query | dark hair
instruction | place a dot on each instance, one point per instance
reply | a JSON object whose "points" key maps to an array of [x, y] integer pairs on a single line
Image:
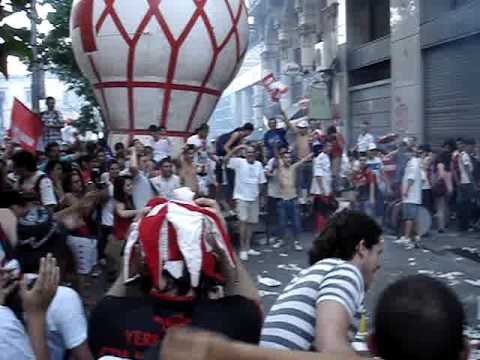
{"points": [[49, 98], [51, 165], [204, 126], [153, 128], [68, 180], [164, 161], [419, 318], [51, 145], [118, 193], [248, 127], [113, 161], [343, 233], [119, 146], [25, 160], [331, 130], [9, 198]]}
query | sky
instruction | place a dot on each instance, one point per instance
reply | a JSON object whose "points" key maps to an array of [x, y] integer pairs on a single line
{"points": [[19, 20]]}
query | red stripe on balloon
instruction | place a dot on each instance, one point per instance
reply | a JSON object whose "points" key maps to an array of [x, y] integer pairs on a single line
{"points": [[174, 58], [157, 85], [102, 91], [83, 19]]}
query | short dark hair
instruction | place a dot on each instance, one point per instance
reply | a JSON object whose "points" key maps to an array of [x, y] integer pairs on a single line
{"points": [[119, 146], [50, 146], [331, 130], [248, 127], [25, 160], [153, 128], [49, 98], [343, 233], [164, 161], [51, 165], [113, 161], [419, 318]]}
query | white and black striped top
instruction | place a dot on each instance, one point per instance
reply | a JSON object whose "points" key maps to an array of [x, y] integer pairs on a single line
{"points": [[290, 323]]}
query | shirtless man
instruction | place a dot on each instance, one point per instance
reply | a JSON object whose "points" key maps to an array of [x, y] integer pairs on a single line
{"points": [[188, 170]]}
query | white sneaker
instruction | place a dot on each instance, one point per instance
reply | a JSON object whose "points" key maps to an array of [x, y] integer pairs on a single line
{"points": [[243, 256], [252, 252], [278, 244], [297, 246]]}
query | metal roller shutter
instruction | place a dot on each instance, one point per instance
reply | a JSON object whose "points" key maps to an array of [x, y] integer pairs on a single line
{"points": [[371, 102], [452, 90]]}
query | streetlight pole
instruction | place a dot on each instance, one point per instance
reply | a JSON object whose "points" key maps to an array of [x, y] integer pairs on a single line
{"points": [[35, 86]]}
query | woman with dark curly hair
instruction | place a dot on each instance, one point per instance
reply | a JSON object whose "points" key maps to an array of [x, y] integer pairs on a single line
{"points": [[320, 308]]}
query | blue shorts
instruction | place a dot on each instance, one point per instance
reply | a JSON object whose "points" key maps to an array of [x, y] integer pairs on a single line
{"points": [[409, 211]]}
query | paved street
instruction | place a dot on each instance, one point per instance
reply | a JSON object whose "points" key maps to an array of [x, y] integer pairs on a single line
{"points": [[452, 257]]}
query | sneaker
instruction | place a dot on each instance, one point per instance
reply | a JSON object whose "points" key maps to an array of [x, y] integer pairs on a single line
{"points": [[243, 256], [278, 244], [297, 246], [262, 241], [252, 252]]}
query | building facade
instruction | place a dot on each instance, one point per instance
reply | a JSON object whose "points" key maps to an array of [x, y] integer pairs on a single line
{"points": [[412, 67], [301, 43]]}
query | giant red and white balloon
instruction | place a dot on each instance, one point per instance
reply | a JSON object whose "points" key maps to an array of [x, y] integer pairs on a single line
{"points": [[162, 62]]}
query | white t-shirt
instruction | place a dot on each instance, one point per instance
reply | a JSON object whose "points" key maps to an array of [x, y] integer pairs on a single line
{"points": [[108, 207], [273, 187], [142, 191], [166, 186], [45, 188], [364, 141], [322, 168], [413, 172], [201, 156], [376, 165], [161, 149], [66, 323], [14, 341], [248, 177], [465, 162]]}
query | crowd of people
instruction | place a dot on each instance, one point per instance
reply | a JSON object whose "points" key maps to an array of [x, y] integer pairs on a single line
{"points": [[160, 218]]}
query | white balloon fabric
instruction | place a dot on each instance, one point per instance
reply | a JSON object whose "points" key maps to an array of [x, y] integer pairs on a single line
{"points": [[161, 62]]}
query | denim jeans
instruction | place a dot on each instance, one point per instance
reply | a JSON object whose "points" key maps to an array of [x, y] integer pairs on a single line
{"points": [[465, 198], [287, 211]]}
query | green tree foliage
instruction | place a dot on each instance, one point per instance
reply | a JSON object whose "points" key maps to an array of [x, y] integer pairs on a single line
{"points": [[59, 53], [13, 41]]}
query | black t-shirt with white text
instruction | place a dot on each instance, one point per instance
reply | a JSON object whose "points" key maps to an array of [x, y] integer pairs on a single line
{"points": [[128, 327]]}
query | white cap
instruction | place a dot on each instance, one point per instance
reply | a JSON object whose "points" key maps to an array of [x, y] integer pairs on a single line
{"points": [[303, 124], [372, 146]]}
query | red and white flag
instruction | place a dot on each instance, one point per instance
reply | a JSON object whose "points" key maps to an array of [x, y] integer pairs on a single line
{"points": [[275, 88], [26, 127]]}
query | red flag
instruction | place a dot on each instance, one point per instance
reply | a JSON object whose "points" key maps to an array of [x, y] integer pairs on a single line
{"points": [[26, 126]]}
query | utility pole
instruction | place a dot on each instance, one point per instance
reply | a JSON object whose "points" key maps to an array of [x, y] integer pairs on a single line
{"points": [[36, 85]]}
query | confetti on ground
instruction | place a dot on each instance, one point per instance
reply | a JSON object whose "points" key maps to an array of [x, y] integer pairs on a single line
{"points": [[426, 272], [283, 254], [266, 281], [412, 263], [290, 267], [264, 293], [264, 272], [473, 282], [470, 249]]}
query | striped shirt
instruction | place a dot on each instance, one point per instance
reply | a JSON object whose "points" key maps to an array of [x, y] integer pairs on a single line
{"points": [[291, 321]]}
